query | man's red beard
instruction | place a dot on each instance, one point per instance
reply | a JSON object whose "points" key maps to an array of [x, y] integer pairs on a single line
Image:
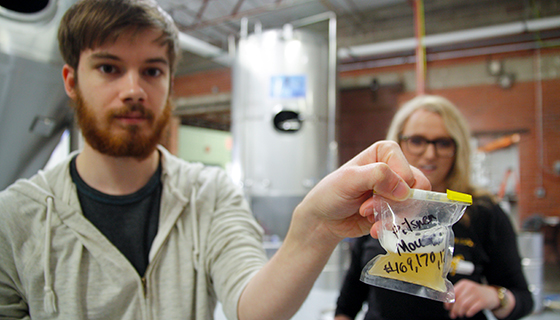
{"points": [[130, 141]]}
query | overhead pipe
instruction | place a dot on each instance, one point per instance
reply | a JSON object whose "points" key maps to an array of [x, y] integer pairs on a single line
{"points": [[212, 52], [450, 38], [204, 49], [456, 54]]}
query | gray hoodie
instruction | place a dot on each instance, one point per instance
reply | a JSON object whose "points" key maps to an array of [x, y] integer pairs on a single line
{"points": [[54, 264]]}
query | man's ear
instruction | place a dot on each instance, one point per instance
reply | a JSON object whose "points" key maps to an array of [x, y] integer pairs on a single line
{"points": [[69, 77]]}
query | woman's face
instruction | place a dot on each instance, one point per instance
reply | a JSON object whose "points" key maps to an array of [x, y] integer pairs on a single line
{"points": [[428, 146]]}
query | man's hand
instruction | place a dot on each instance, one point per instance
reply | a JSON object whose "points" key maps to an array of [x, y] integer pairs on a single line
{"points": [[339, 206], [343, 200]]}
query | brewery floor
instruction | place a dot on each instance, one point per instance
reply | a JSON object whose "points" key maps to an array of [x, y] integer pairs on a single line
{"points": [[550, 306], [544, 315], [551, 293], [551, 283], [321, 302]]}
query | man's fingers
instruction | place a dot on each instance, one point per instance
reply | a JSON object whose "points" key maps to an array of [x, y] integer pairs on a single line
{"points": [[388, 152], [374, 231], [383, 181], [420, 180]]}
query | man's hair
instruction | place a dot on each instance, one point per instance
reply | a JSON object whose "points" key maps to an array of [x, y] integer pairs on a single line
{"points": [[91, 23]]}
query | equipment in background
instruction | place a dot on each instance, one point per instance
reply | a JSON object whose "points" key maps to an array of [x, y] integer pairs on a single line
{"points": [[282, 120], [34, 111]]}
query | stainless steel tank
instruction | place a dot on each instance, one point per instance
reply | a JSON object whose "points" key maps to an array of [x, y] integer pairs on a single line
{"points": [[282, 120]]}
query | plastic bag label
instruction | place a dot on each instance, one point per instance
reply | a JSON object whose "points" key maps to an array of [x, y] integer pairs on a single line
{"points": [[418, 238], [414, 256], [423, 269]]}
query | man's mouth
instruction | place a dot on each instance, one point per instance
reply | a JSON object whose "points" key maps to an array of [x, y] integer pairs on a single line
{"points": [[132, 114], [131, 118]]}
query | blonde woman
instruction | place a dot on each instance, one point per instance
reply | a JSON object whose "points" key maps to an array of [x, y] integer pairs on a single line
{"points": [[435, 138]]}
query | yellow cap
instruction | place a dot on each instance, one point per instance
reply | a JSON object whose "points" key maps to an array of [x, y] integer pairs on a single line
{"points": [[458, 196]]}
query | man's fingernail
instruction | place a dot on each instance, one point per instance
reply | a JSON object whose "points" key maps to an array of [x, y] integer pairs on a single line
{"points": [[401, 191]]}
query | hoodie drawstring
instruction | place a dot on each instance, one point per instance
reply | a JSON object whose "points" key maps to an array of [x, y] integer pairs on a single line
{"points": [[194, 228], [49, 303]]}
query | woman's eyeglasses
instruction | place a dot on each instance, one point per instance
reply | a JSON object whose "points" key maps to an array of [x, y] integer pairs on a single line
{"points": [[417, 145]]}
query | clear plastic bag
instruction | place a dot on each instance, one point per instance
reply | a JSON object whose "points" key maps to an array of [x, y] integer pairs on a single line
{"points": [[417, 235]]}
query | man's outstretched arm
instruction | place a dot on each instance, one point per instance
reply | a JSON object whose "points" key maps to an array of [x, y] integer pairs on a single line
{"points": [[338, 207]]}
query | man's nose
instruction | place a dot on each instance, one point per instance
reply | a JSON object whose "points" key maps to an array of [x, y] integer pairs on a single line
{"points": [[132, 90]]}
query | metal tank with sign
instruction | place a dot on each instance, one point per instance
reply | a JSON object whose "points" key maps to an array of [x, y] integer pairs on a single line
{"points": [[282, 119]]}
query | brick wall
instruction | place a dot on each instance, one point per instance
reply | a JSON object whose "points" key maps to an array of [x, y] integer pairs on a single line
{"points": [[205, 83], [490, 110]]}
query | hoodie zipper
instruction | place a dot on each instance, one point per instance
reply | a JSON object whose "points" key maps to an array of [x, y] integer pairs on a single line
{"points": [[144, 287], [147, 312]]}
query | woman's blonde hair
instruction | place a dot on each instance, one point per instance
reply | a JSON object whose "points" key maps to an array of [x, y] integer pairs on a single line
{"points": [[458, 179]]}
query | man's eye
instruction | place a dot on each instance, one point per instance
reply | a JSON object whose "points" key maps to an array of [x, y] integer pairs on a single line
{"points": [[153, 72], [107, 68]]}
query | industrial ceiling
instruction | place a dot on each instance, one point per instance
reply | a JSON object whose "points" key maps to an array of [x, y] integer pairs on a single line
{"points": [[360, 24], [370, 33]]}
